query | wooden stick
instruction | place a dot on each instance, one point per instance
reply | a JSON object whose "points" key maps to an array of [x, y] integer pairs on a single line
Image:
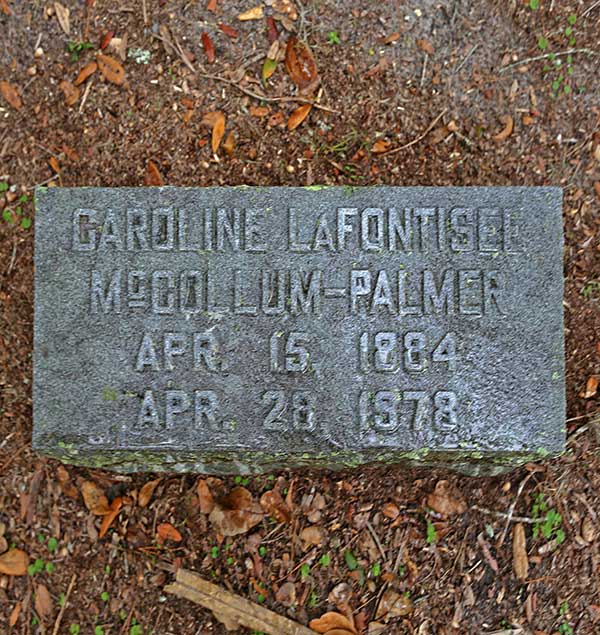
{"points": [[231, 609], [64, 606], [419, 138]]}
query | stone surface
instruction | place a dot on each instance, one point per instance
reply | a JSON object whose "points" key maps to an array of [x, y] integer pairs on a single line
{"points": [[243, 329]]}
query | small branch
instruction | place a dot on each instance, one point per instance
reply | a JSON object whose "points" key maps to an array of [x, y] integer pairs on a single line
{"points": [[468, 55], [547, 56], [420, 138], [516, 519], [377, 541], [511, 509], [64, 606], [596, 4]]}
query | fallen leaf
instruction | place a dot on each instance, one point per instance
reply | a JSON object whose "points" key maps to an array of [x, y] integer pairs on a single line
{"points": [[229, 144], [391, 510], [10, 93], [591, 387], [275, 506], [152, 177], [54, 164], [210, 118], [301, 65], [212, 6], [269, 67], [43, 601], [588, 531], [311, 536], [14, 614], [209, 47], [85, 72], [94, 498], [70, 92], [444, 501], [217, 132], [425, 46], [205, 498], [145, 495], [115, 508], [507, 130], [228, 30], [331, 621], [166, 531], [272, 33], [381, 145], [236, 513], [597, 189], [298, 116], [392, 37], [520, 561], [62, 15], [275, 119], [256, 13], [6, 10], [286, 594], [340, 594], [393, 604], [259, 111], [14, 562], [111, 69], [286, 7], [105, 41], [119, 45]]}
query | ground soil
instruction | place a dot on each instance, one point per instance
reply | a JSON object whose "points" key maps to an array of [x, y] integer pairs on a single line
{"points": [[388, 70]]}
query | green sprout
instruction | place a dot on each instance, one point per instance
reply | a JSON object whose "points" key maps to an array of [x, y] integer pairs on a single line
{"points": [[549, 523], [75, 48], [333, 37], [432, 536]]}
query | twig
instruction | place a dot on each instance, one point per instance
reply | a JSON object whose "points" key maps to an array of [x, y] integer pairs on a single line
{"points": [[85, 95], [511, 509], [377, 541], [64, 605], [420, 138], [250, 93], [548, 55], [468, 55], [516, 519], [145, 12], [590, 9], [424, 70]]}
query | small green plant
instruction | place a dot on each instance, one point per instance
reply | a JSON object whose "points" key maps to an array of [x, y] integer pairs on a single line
{"points": [[565, 628], [550, 521], [136, 629], [49, 567], [262, 551], [561, 72], [98, 630], [75, 48], [534, 4], [52, 544], [351, 561], [376, 570], [214, 552], [35, 567], [333, 37], [105, 596], [304, 571], [432, 536], [325, 560], [590, 288], [74, 629]]}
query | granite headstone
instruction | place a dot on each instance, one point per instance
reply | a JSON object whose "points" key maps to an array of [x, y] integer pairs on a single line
{"points": [[241, 329]]}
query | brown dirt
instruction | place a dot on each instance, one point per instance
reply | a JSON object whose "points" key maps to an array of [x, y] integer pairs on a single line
{"points": [[462, 583]]}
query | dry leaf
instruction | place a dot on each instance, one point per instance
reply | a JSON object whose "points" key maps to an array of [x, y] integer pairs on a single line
{"points": [[298, 116], [591, 387], [152, 177], [393, 604], [217, 132], [6, 10], [507, 130], [229, 144], [444, 501], [520, 561], [71, 92], [210, 118], [10, 93], [146, 492], [332, 621], [115, 508], [212, 6], [425, 46], [205, 498], [391, 510], [209, 47], [275, 119], [392, 37], [236, 513], [286, 594], [301, 65], [310, 536], [105, 41], [166, 531], [54, 164], [14, 614], [275, 506], [588, 532], [381, 145], [43, 601], [119, 45], [597, 189], [85, 72], [111, 69], [272, 33], [94, 498], [268, 68], [256, 13], [62, 14], [64, 478], [228, 30], [14, 562], [259, 111]]}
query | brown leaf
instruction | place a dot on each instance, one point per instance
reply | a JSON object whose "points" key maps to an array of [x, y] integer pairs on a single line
{"points": [[145, 495], [311, 536], [298, 116], [209, 47], [43, 601], [444, 501], [85, 72], [217, 132], [228, 30], [331, 621], [256, 13], [236, 513], [152, 177], [381, 145], [94, 498], [115, 508], [10, 93], [105, 41], [6, 10], [111, 68], [272, 33], [392, 37], [14, 614], [393, 604], [71, 92], [211, 6], [391, 510], [64, 478], [301, 65], [520, 561], [286, 594], [506, 131], [591, 387], [597, 189], [229, 144], [425, 46], [259, 111], [62, 15], [286, 7], [166, 531], [205, 498], [54, 164], [14, 562], [275, 506]]}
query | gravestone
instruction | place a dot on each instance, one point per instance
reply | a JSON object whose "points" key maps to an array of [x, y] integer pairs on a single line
{"points": [[241, 329]]}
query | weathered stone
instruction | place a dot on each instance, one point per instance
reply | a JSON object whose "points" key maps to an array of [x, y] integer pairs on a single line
{"points": [[243, 329]]}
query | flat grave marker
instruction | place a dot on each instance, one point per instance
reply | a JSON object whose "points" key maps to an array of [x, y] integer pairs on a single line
{"points": [[241, 329]]}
